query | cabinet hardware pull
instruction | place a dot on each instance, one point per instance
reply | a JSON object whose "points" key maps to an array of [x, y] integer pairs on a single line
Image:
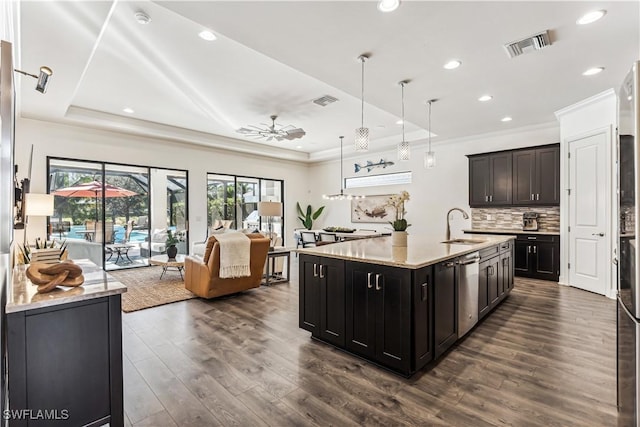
{"points": [[449, 264], [532, 237], [538, 196], [534, 249], [531, 196], [321, 271], [486, 198], [378, 286], [491, 198], [369, 285], [315, 270], [529, 249], [423, 290]]}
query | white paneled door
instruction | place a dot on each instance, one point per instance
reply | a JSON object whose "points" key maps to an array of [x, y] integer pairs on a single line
{"points": [[588, 204]]}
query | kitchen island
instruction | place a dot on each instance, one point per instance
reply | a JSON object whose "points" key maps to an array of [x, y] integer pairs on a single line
{"points": [[401, 307]]}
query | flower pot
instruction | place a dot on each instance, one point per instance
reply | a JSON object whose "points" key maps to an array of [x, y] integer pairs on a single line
{"points": [[399, 238], [172, 251]]}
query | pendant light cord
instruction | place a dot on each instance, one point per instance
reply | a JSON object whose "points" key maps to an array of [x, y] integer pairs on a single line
{"points": [[362, 58], [430, 102], [402, 85], [341, 167]]}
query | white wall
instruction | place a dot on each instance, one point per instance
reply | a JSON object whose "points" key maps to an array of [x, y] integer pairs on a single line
{"points": [[596, 114], [58, 140], [433, 191]]}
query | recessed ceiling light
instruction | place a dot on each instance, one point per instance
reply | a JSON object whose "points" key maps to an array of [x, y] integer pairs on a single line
{"points": [[298, 146], [453, 64], [629, 98], [506, 119], [590, 17], [593, 71], [207, 35], [399, 122], [142, 18], [388, 5], [128, 110], [485, 98]]}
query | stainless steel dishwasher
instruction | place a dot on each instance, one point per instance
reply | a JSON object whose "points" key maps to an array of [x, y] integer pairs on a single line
{"points": [[468, 284]]}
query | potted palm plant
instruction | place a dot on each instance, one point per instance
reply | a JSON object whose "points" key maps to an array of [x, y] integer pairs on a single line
{"points": [[170, 243]]}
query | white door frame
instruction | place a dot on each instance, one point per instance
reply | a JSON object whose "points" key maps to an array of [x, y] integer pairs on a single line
{"points": [[610, 214]]}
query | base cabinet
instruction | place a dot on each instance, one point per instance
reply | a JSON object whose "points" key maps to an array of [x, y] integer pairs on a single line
{"points": [[495, 278], [537, 256], [445, 312]]}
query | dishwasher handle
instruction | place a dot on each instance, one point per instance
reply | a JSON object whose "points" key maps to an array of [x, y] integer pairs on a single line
{"points": [[469, 261]]}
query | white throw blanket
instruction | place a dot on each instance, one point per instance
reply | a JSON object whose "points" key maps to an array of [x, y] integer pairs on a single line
{"points": [[235, 250]]}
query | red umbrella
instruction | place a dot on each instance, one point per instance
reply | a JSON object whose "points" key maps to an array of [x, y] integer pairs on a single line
{"points": [[94, 189]]}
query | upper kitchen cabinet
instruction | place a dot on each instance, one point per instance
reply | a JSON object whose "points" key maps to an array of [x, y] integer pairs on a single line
{"points": [[490, 179], [526, 177], [536, 176]]}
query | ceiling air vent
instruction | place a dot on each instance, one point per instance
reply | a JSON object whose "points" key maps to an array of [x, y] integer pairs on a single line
{"points": [[529, 44], [323, 101]]}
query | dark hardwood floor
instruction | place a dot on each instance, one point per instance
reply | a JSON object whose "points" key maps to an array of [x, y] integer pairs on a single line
{"points": [[544, 357]]}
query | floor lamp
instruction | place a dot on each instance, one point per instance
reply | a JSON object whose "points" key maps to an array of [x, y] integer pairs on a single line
{"points": [[36, 205], [270, 210]]}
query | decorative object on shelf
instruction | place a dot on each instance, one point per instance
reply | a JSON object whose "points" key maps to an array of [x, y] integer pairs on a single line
{"points": [[362, 133], [307, 217], [339, 230], [49, 276], [370, 165], [430, 156], [42, 251], [342, 195], [404, 150], [270, 210], [396, 201], [371, 209], [170, 243], [273, 131]]}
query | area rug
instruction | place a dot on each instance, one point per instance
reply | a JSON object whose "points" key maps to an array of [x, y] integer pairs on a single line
{"points": [[145, 289]]}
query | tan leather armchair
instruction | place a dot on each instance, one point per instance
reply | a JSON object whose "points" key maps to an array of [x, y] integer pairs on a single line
{"points": [[202, 275]]}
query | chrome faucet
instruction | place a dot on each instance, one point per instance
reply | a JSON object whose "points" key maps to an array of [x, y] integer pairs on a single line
{"points": [[464, 215]]}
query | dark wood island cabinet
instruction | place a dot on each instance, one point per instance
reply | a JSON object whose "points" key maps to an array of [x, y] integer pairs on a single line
{"points": [[400, 314]]}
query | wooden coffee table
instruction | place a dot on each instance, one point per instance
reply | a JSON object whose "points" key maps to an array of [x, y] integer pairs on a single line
{"points": [[166, 263]]}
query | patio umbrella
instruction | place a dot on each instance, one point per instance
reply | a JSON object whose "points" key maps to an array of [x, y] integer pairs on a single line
{"points": [[94, 189]]}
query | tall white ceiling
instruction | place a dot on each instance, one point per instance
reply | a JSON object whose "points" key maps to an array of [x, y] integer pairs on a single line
{"points": [[276, 57]]}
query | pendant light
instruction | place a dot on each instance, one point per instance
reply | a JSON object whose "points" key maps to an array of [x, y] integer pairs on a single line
{"points": [[404, 151], [362, 133], [430, 156], [342, 195]]}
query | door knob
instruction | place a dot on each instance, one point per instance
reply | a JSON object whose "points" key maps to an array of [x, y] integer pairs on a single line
{"points": [[598, 234]]}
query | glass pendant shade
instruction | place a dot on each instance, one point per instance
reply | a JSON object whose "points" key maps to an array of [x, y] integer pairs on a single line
{"points": [[362, 139], [429, 160], [404, 151]]}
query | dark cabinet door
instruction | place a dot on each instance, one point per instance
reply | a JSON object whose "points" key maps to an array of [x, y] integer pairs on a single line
{"points": [[546, 263], [506, 273], [422, 297], [524, 168], [547, 191], [522, 262], [493, 280], [479, 181], [360, 309], [332, 295], [445, 318], [500, 178], [392, 288], [309, 293], [484, 304]]}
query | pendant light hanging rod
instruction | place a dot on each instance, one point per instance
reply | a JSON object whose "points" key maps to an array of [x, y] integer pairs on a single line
{"points": [[404, 151], [341, 168], [362, 58], [429, 156]]}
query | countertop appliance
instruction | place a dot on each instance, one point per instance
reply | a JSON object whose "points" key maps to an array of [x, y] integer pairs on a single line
{"points": [[468, 288], [628, 300], [530, 221]]}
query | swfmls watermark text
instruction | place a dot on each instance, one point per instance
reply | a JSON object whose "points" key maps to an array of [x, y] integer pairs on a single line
{"points": [[35, 414]]}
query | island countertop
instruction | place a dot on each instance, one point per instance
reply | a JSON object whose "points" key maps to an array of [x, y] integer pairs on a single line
{"points": [[420, 251], [22, 295]]}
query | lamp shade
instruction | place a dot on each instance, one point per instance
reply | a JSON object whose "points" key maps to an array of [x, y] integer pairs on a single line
{"points": [[38, 204], [270, 209]]}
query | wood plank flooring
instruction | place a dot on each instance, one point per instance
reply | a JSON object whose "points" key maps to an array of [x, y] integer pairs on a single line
{"points": [[544, 357]]}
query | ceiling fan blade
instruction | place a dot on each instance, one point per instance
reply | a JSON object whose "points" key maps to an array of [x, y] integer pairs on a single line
{"points": [[244, 131], [295, 134]]}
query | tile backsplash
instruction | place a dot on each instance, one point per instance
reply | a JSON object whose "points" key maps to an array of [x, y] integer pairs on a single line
{"points": [[511, 218]]}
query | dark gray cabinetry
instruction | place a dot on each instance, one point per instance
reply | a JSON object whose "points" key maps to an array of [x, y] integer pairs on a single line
{"points": [[537, 256], [322, 308], [490, 179], [67, 358], [446, 308], [536, 176], [524, 177]]}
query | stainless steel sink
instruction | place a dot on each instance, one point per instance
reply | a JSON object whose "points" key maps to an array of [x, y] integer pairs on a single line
{"points": [[464, 241]]}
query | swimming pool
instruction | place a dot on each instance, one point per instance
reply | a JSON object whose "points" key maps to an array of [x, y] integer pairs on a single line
{"points": [[77, 232]]}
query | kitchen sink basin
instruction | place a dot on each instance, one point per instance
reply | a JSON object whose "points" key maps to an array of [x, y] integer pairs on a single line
{"points": [[464, 241]]}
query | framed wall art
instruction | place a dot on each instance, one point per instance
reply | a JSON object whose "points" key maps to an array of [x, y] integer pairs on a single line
{"points": [[372, 209]]}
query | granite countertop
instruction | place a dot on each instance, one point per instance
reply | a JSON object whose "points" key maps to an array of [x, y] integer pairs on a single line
{"points": [[23, 296], [510, 231], [420, 252]]}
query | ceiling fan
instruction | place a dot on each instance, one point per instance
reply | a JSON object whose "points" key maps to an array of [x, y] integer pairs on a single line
{"points": [[275, 131]]}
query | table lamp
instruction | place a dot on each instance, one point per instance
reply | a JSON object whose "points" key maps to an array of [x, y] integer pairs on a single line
{"points": [[270, 210], [36, 205]]}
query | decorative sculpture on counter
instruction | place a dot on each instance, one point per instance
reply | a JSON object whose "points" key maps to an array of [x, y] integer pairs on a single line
{"points": [[48, 276]]}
